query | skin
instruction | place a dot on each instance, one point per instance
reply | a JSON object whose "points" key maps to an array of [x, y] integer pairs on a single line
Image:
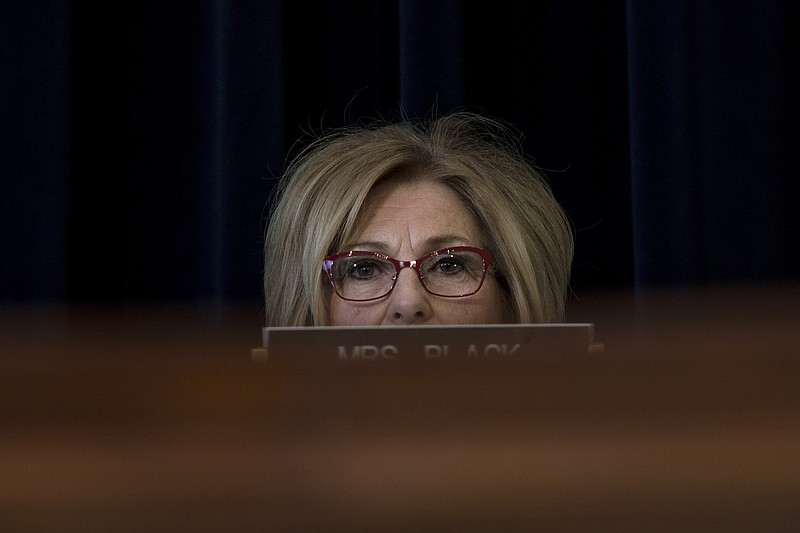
{"points": [[406, 222]]}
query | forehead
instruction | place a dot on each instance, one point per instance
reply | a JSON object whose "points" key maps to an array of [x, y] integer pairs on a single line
{"points": [[395, 211]]}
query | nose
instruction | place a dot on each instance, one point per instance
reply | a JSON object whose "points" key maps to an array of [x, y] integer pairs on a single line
{"points": [[409, 302]]}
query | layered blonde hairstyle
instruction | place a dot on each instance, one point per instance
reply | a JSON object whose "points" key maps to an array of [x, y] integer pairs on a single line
{"points": [[317, 202]]}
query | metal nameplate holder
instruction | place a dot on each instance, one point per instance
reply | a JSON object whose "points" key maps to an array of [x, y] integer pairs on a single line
{"points": [[372, 344]]}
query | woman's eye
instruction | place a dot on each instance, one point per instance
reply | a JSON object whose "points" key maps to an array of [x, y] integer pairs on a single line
{"points": [[361, 270], [364, 269], [450, 265]]}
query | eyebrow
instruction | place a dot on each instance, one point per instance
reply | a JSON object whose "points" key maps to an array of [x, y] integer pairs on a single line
{"points": [[433, 243]]}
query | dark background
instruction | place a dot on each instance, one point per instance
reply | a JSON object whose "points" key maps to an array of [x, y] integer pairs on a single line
{"points": [[139, 141]]}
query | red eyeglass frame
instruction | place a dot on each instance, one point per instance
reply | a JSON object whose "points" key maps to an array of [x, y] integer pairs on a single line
{"points": [[486, 257]]}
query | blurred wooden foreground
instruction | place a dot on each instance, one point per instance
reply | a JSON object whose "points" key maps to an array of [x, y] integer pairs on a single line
{"points": [[155, 419]]}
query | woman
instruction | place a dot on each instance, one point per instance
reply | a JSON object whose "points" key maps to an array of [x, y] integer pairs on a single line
{"points": [[435, 222]]}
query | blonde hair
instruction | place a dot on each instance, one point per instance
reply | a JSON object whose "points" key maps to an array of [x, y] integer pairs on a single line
{"points": [[318, 200]]}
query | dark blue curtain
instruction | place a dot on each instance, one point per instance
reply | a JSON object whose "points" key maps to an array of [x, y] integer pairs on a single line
{"points": [[140, 140], [714, 140]]}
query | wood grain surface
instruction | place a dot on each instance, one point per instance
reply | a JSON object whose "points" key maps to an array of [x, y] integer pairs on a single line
{"points": [[155, 418]]}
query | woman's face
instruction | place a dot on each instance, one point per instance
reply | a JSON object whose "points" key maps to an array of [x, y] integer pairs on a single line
{"points": [[407, 221]]}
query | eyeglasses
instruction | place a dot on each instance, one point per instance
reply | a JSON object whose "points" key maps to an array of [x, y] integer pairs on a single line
{"points": [[450, 272]]}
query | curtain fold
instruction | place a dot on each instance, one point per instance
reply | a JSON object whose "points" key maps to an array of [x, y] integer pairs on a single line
{"points": [[431, 56], [664, 149]]}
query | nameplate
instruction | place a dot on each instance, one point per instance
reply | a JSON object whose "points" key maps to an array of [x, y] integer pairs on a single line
{"points": [[386, 344]]}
